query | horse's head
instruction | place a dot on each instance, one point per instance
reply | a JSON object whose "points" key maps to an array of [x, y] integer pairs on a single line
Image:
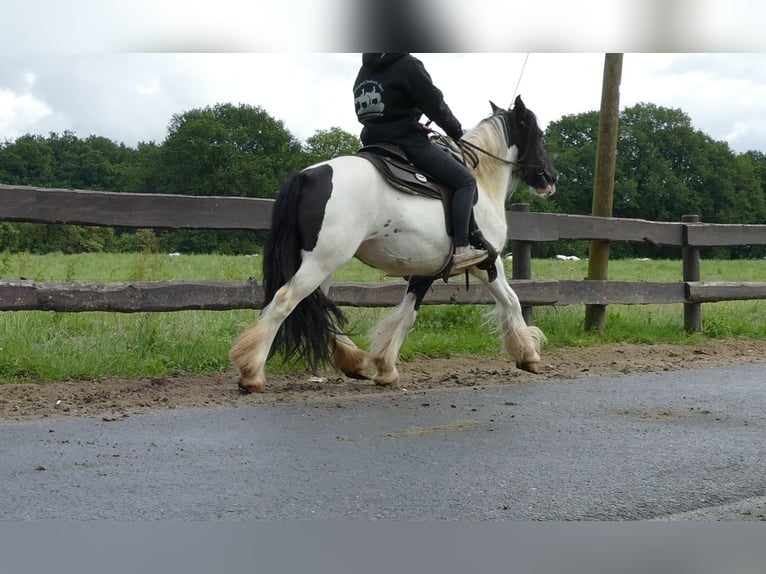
{"points": [[532, 162]]}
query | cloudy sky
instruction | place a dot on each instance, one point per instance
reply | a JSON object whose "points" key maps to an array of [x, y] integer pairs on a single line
{"points": [[121, 69]]}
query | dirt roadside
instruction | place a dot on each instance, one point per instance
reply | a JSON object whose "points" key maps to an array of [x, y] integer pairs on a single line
{"points": [[113, 399]]}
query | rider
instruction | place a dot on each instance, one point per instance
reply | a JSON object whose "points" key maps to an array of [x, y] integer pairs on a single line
{"points": [[391, 92]]}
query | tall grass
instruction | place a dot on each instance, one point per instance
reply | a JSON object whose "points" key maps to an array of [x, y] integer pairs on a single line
{"points": [[41, 346]]}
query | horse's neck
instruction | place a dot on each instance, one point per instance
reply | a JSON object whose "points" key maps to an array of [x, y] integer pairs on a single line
{"points": [[493, 175]]}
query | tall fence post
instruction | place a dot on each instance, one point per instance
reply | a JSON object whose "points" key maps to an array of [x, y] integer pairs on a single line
{"points": [[521, 266], [603, 181], [691, 263]]}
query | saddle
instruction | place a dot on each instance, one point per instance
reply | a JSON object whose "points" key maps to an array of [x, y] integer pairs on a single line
{"points": [[394, 165]]}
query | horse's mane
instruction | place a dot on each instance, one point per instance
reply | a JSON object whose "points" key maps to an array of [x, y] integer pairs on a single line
{"points": [[487, 135], [493, 134]]}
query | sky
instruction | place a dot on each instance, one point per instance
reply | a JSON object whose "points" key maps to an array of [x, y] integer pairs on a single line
{"points": [[121, 69]]}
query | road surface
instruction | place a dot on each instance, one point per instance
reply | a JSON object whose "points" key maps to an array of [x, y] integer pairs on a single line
{"points": [[674, 445]]}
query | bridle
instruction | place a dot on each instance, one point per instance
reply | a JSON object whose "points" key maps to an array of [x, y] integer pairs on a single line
{"points": [[469, 156]]}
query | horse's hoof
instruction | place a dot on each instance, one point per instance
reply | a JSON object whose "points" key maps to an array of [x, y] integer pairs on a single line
{"points": [[392, 383], [389, 380], [247, 388], [357, 376], [530, 367]]}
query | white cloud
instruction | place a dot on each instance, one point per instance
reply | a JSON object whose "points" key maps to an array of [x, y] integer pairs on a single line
{"points": [[132, 97], [18, 112], [740, 130], [122, 69], [149, 87]]}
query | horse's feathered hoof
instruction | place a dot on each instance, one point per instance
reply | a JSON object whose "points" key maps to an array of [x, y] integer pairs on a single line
{"points": [[357, 376], [387, 379], [248, 388], [531, 367]]}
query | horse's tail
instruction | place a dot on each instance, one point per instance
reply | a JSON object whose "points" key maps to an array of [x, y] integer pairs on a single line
{"points": [[305, 332]]}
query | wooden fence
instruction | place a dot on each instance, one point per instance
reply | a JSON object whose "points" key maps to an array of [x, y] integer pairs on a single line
{"points": [[42, 205]]}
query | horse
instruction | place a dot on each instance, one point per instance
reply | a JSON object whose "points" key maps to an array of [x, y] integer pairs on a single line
{"points": [[342, 208]]}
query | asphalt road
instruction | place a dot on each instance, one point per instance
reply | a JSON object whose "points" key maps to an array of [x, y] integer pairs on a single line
{"points": [[673, 445]]}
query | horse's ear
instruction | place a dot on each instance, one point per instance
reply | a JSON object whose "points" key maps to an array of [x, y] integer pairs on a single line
{"points": [[495, 108], [519, 106]]}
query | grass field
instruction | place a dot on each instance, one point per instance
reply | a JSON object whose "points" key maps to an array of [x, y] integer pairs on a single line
{"points": [[42, 346]]}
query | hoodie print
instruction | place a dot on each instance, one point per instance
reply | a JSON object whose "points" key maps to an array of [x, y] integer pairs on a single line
{"points": [[368, 99]]}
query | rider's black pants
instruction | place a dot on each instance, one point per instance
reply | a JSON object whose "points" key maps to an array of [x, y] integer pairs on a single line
{"points": [[439, 163]]}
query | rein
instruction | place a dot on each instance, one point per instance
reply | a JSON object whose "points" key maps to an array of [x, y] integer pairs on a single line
{"points": [[468, 151], [475, 160]]}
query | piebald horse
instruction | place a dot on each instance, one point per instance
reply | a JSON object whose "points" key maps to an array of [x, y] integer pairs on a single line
{"points": [[343, 208]]}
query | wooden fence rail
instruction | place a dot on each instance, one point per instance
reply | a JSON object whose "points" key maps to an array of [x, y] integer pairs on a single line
{"points": [[43, 205]]}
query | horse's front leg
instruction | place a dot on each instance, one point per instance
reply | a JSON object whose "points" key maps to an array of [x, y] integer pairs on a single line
{"points": [[520, 341], [386, 339], [388, 335]]}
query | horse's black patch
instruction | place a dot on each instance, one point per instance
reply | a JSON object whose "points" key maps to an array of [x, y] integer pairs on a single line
{"points": [[316, 190]]}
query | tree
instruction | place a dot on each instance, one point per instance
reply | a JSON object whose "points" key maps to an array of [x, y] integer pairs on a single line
{"points": [[665, 169], [658, 152], [220, 150], [327, 144], [63, 161], [27, 161], [144, 170], [571, 142], [227, 150]]}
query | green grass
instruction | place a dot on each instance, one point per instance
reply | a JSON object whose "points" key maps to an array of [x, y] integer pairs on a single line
{"points": [[41, 346]]}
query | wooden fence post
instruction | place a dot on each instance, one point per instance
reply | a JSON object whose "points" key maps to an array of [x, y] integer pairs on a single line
{"points": [[603, 181], [521, 265], [691, 264]]}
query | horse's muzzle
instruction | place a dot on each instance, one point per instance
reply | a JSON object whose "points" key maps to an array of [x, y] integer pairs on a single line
{"points": [[549, 180], [546, 191]]}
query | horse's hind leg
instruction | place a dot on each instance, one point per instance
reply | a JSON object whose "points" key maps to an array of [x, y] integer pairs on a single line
{"points": [[521, 342], [389, 333], [251, 349], [348, 358]]}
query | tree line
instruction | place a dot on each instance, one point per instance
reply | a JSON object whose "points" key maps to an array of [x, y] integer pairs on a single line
{"points": [[219, 150], [665, 169]]}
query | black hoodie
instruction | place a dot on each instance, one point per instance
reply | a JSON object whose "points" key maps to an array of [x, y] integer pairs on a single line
{"points": [[391, 93]]}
